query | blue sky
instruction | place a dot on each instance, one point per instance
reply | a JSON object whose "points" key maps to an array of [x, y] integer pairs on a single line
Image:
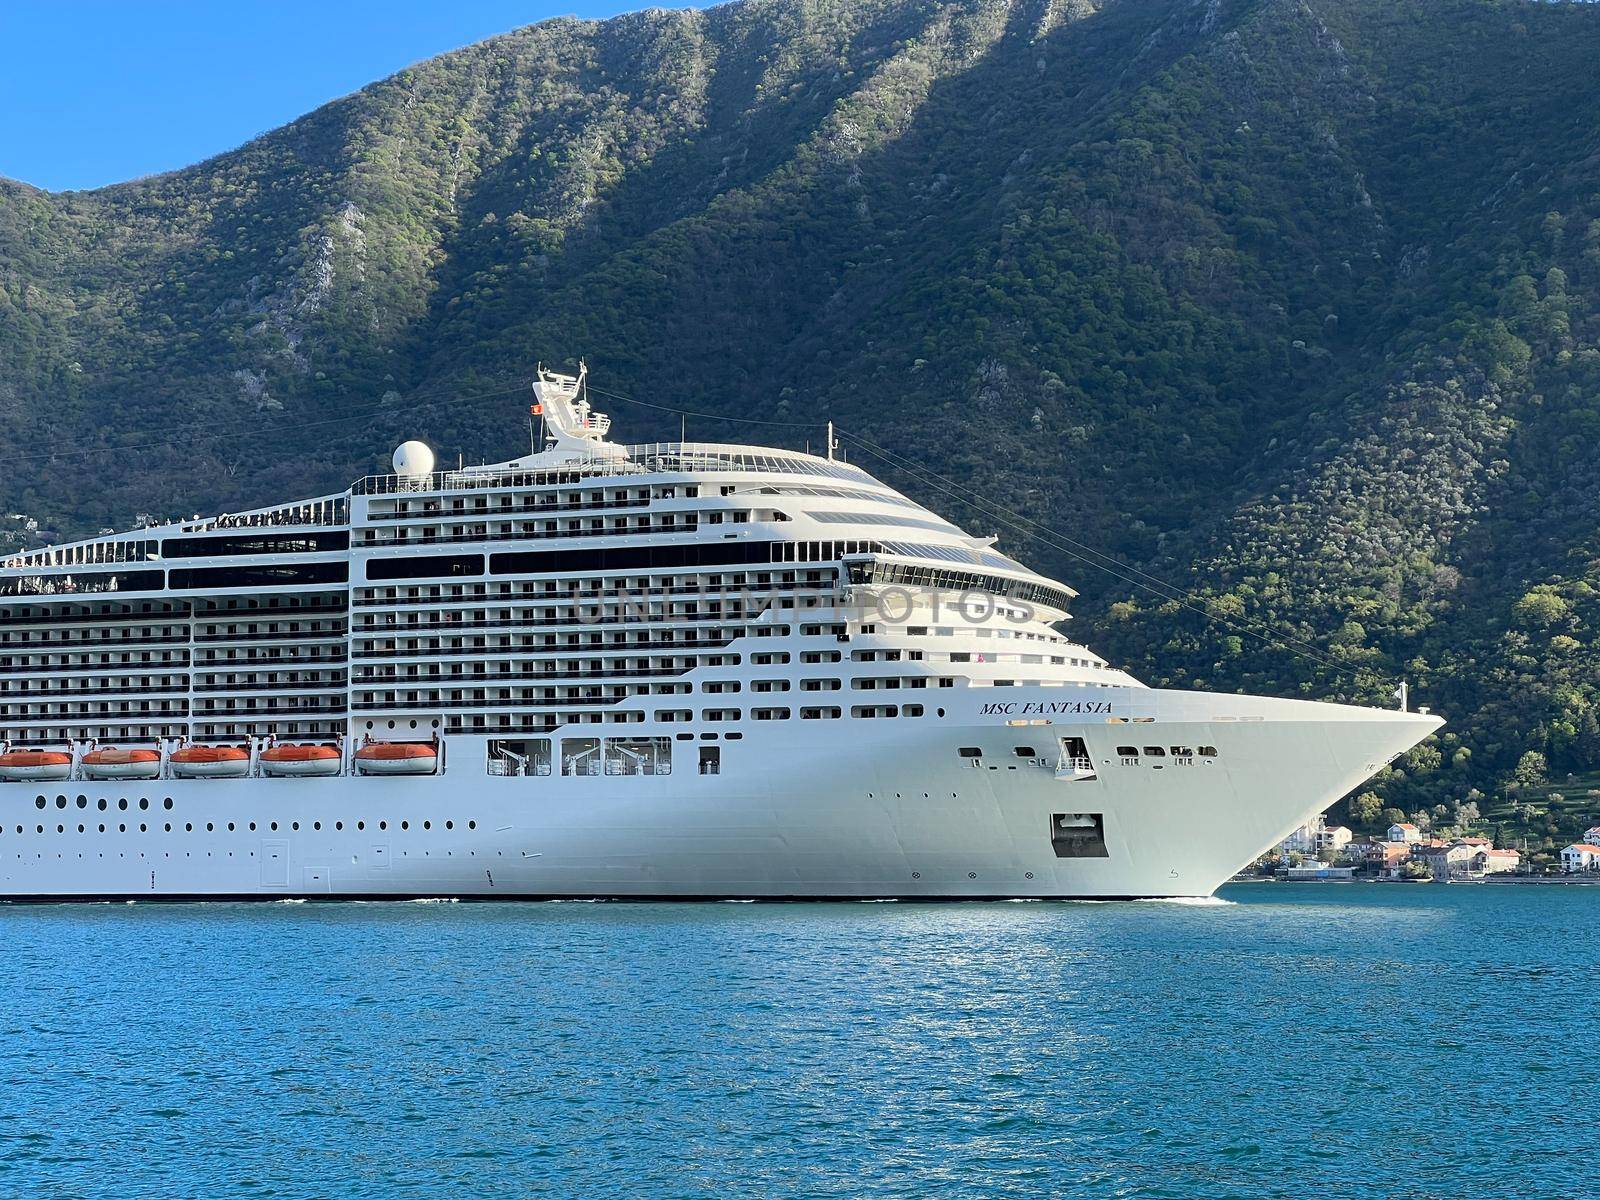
{"points": [[93, 91]]}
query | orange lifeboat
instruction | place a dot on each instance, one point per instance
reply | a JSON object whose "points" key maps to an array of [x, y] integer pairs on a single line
{"points": [[397, 758], [115, 762], [27, 765], [210, 762], [291, 761]]}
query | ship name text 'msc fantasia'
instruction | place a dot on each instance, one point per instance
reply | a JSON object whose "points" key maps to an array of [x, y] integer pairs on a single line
{"points": [[674, 670]]}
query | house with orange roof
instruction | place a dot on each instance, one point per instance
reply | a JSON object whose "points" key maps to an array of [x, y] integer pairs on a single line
{"points": [[1580, 856], [1384, 859]]}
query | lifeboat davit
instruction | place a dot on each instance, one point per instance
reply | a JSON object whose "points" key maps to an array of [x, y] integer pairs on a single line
{"points": [[210, 762], [28, 765], [292, 760], [397, 758], [115, 762]]}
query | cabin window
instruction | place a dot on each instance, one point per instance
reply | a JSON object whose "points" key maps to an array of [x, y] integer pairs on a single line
{"points": [[710, 760], [1128, 751], [1024, 752], [1155, 751], [970, 752], [1208, 751]]}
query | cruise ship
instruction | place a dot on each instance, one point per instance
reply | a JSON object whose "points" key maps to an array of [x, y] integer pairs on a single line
{"points": [[682, 670]]}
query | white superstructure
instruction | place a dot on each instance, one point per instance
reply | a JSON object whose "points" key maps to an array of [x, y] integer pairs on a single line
{"points": [[599, 670]]}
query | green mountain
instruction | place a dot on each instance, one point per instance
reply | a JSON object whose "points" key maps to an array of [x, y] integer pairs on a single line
{"points": [[1293, 306]]}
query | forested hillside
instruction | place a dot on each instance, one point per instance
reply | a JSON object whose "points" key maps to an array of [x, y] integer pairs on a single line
{"points": [[1292, 304]]}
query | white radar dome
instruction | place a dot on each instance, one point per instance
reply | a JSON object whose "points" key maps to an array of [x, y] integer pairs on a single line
{"points": [[413, 459]]}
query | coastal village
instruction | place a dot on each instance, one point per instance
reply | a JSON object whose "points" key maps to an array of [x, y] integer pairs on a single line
{"points": [[1319, 851]]}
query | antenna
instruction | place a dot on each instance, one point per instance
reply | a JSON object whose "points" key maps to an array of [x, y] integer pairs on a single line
{"points": [[831, 443]]}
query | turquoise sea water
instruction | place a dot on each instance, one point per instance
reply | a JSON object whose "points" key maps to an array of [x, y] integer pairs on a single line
{"points": [[1345, 1040]]}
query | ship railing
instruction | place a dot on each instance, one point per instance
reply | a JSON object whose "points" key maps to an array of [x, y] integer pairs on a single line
{"points": [[707, 592], [70, 669], [445, 539], [585, 703], [280, 635], [644, 459], [1075, 767], [437, 512], [616, 614], [282, 685], [451, 683], [61, 691], [29, 646], [524, 650]]}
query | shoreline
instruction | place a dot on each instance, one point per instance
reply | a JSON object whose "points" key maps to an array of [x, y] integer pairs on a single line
{"points": [[1526, 880]]}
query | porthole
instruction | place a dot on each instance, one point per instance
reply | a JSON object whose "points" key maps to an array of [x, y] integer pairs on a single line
{"points": [[122, 829], [187, 827], [143, 828], [61, 828], [383, 824], [338, 824], [361, 824], [61, 801], [167, 827], [40, 802], [167, 803], [230, 826], [83, 802], [144, 803], [102, 829], [295, 826], [39, 829], [449, 824], [972, 874], [123, 804], [314, 825], [101, 804], [210, 828], [405, 824], [274, 827], [427, 824], [472, 824], [252, 826], [916, 874]]}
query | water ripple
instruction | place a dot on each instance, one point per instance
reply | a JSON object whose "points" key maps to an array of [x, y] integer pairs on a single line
{"points": [[1337, 1040]]}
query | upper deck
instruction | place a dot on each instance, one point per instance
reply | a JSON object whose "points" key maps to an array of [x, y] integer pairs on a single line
{"points": [[583, 582]]}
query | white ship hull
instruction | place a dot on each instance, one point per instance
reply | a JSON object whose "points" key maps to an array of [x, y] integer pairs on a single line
{"points": [[794, 813]]}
